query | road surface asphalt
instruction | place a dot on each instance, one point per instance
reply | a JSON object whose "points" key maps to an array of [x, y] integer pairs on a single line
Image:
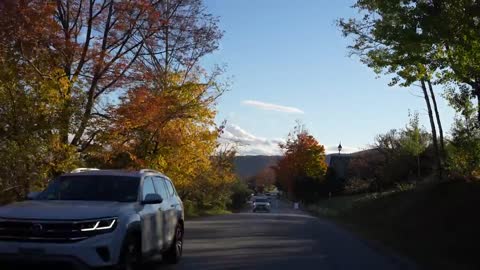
{"points": [[282, 239]]}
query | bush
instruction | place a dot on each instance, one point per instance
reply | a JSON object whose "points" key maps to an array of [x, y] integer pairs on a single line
{"points": [[239, 196], [404, 186], [357, 185], [463, 151], [464, 157], [190, 209], [332, 185]]}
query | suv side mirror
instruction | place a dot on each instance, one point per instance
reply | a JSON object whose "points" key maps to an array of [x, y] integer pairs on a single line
{"points": [[152, 198], [32, 195]]}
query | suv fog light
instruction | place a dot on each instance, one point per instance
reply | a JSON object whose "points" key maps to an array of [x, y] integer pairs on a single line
{"points": [[104, 253]]}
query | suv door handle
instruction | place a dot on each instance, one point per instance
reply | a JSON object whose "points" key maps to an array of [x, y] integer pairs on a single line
{"points": [[174, 205]]}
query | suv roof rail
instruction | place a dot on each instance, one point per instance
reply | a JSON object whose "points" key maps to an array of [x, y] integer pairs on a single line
{"points": [[77, 170], [149, 171]]}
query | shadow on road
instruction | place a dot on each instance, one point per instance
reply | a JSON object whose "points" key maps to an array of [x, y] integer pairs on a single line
{"points": [[246, 241], [283, 239]]}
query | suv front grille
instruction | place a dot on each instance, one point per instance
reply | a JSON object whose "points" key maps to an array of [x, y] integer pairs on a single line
{"points": [[41, 231]]}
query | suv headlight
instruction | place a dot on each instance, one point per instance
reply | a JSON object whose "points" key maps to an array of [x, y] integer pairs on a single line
{"points": [[100, 225]]}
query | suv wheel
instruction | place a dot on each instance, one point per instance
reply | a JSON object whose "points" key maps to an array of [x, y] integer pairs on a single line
{"points": [[130, 256], [174, 253]]}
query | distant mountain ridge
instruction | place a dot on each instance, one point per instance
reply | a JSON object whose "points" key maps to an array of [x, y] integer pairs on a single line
{"points": [[248, 166]]}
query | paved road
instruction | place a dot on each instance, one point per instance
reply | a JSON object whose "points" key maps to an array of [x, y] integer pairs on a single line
{"points": [[283, 239]]}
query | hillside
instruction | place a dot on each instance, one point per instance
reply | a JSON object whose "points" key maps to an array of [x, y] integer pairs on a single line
{"points": [[247, 166], [435, 225]]}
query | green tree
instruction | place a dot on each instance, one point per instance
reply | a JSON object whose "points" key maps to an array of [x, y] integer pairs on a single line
{"points": [[464, 147], [453, 29], [415, 140], [389, 39], [395, 154]]}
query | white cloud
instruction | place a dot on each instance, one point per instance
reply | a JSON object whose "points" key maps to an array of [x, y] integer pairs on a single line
{"points": [[249, 144], [271, 107]]}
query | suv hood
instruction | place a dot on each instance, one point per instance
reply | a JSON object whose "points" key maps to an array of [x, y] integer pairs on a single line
{"points": [[62, 210]]}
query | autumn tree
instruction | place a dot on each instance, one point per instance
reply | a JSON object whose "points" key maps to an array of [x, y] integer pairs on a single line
{"points": [[99, 44], [30, 147], [31, 101], [186, 33], [303, 165], [266, 178], [113, 84], [100, 41]]}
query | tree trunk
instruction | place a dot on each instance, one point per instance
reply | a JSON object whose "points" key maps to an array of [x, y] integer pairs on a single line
{"points": [[434, 131], [65, 121], [477, 93], [439, 123], [86, 114], [419, 175]]}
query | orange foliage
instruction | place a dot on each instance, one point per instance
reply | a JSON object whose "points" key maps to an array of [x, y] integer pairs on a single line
{"points": [[304, 158]]}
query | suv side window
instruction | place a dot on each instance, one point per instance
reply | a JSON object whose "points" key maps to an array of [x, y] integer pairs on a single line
{"points": [[171, 190], [160, 187], [147, 187]]}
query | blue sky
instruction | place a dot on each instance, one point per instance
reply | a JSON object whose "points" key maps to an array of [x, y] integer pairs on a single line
{"points": [[291, 54]]}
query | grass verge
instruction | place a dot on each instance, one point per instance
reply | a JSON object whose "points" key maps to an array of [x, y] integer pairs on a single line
{"points": [[206, 213], [438, 226]]}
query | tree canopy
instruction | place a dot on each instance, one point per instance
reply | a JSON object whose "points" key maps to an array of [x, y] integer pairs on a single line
{"points": [[303, 166], [111, 84]]}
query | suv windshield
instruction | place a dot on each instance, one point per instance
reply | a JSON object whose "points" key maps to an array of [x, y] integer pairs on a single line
{"points": [[92, 188]]}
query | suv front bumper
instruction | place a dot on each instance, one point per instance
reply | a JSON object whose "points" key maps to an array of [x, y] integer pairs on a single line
{"points": [[261, 208], [98, 251]]}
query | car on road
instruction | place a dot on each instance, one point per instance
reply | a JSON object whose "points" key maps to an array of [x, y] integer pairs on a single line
{"points": [[261, 204], [93, 218]]}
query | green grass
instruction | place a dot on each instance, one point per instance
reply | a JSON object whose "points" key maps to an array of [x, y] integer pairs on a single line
{"points": [[436, 225], [216, 212], [206, 213], [341, 205]]}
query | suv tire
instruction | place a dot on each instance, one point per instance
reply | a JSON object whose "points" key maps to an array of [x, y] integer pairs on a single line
{"points": [[174, 253], [130, 257]]}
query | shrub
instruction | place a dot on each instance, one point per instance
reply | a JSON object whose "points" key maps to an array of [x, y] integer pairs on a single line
{"points": [[357, 185], [463, 151], [404, 186], [239, 196], [464, 157]]}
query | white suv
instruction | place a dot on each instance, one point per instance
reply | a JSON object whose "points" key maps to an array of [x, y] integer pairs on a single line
{"points": [[95, 218], [261, 204]]}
